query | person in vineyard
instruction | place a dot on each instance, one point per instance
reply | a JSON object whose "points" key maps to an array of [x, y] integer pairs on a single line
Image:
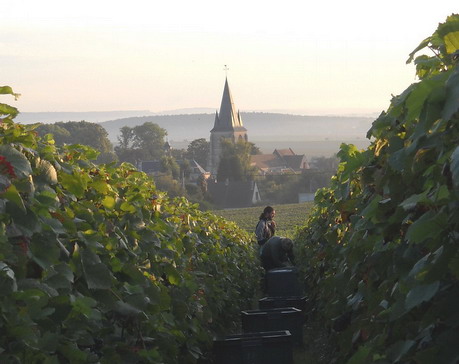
{"points": [[266, 226], [277, 252]]}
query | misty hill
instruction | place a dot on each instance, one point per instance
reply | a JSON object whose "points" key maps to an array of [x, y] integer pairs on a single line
{"points": [[260, 126], [97, 116], [312, 135], [90, 116]]}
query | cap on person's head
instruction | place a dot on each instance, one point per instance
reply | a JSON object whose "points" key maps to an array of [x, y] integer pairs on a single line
{"points": [[287, 244]]}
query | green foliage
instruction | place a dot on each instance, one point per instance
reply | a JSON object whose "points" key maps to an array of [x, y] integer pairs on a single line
{"points": [[199, 150], [82, 132], [170, 167], [141, 143], [98, 266], [380, 251], [234, 162]]}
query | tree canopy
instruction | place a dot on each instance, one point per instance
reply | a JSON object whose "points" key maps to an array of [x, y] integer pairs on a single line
{"points": [[198, 150], [81, 132], [141, 143], [235, 161]]}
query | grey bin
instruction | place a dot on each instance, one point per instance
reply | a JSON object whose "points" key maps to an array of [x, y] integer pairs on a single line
{"points": [[273, 347], [282, 282], [287, 318]]}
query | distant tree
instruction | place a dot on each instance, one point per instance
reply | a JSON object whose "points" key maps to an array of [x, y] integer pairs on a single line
{"points": [[81, 132], [198, 150], [170, 166], [141, 143], [149, 138], [168, 184], [125, 149], [61, 135], [126, 137], [185, 168], [179, 154], [254, 149], [235, 161]]}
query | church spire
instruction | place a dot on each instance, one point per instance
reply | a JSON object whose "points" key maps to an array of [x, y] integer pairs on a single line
{"points": [[228, 125], [228, 119]]}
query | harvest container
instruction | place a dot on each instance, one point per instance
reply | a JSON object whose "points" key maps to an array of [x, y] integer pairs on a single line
{"points": [[273, 347], [287, 318], [279, 302], [282, 282]]}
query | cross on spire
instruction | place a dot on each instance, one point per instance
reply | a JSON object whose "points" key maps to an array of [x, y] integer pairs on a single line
{"points": [[226, 69]]}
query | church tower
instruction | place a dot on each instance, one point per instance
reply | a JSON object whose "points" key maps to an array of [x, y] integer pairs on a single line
{"points": [[228, 125]]}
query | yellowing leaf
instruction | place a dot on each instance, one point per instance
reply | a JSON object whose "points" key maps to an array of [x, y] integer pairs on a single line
{"points": [[108, 202], [100, 186], [126, 206], [452, 42]]}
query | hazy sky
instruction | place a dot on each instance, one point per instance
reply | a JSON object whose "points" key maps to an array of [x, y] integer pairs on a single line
{"points": [[324, 57]]}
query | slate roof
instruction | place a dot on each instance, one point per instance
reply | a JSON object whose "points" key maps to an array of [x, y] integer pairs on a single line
{"points": [[266, 161], [296, 161], [231, 194], [279, 160], [284, 152]]}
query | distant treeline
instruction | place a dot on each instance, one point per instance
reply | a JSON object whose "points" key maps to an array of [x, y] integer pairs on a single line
{"points": [[260, 126]]}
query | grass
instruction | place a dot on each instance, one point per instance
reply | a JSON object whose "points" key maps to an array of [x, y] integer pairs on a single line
{"points": [[288, 217]]}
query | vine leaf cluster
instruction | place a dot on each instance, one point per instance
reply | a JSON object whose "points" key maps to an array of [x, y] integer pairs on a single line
{"points": [[380, 251]]}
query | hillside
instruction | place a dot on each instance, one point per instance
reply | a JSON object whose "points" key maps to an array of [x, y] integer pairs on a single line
{"points": [[288, 217], [305, 134], [260, 126]]}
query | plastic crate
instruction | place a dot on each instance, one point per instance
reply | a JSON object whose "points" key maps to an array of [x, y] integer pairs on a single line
{"points": [[279, 302], [282, 282], [273, 347], [287, 318]]}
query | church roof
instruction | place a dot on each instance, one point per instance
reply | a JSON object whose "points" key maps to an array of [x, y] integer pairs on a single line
{"points": [[228, 119]]}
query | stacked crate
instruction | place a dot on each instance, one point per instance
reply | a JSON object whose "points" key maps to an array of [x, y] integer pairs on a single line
{"points": [[283, 290], [270, 331], [273, 347]]}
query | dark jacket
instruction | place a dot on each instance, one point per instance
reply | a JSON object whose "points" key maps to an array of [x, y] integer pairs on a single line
{"points": [[264, 230], [273, 254]]}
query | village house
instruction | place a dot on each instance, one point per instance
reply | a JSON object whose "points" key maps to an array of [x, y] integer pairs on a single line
{"points": [[281, 161], [196, 172], [233, 194]]}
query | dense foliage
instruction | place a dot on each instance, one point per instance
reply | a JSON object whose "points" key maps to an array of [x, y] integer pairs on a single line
{"points": [[234, 164], [82, 132], [380, 252], [141, 143], [199, 150], [96, 265]]}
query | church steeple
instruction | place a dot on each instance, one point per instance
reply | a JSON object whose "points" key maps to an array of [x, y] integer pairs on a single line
{"points": [[227, 125], [228, 119]]}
